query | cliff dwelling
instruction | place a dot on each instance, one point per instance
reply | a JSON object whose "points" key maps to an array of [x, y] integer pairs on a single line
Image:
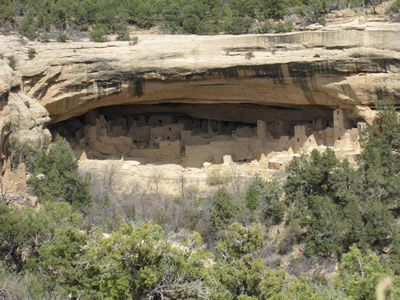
{"points": [[190, 100], [192, 134]]}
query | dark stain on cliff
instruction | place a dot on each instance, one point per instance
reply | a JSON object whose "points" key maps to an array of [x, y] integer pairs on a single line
{"points": [[139, 87], [381, 65], [300, 72], [226, 73], [107, 88], [273, 72], [136, 86], [215, 84]]}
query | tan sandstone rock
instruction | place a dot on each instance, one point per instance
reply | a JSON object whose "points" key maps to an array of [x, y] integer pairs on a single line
{"points": [[347, 66], [344, 66], [22, 119]]}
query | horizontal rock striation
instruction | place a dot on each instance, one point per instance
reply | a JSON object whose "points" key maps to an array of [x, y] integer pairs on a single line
{"points": [[348, 67]]}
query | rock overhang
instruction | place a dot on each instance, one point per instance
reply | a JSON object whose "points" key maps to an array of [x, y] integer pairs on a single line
{"points": [[250, 82], [348, 67], [331, 83]]}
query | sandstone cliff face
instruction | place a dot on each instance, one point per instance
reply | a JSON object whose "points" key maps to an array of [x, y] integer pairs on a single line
{"points": [[22, 119], [312, 73], [346, 66]]}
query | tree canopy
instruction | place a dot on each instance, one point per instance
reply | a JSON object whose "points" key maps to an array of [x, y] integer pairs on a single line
{"points": [[59, 249], [194, 17]]}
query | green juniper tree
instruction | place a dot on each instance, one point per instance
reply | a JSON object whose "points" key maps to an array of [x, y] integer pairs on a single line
{"points": [[56, 176], [222, 211]]}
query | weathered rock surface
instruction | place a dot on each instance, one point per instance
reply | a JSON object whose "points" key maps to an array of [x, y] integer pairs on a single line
{"points": [[22, 118], [8, 80], [346, 66]]}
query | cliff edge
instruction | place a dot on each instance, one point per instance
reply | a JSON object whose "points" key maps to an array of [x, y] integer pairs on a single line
{"points": [[346, 66]]}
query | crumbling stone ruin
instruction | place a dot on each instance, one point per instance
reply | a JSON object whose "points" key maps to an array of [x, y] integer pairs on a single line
{"points": [[162, 137]]}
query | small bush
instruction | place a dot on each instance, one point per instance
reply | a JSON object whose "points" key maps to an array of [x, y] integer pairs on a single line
{"points": [[61, 181], [1, 55], [322, 21], [123, 34], [45, 38], [26, 153], [292, 236], [28, 28], [31, 53], [249, 55], [98, 34], [263, 198], [283, 27], [265, 28], [62, 38], [223, 210], [395, 8], [134, 41], [11, 62], [27, 104], [236, 24], [17, 286], [275, 213], [131, 212]]}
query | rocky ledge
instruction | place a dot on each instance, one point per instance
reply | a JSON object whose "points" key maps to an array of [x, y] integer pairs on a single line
{"points": [[342, 66]]}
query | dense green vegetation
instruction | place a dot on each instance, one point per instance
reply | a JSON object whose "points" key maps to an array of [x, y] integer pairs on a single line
{"points": [[339, 206], [46, 256], [194, 16], [55, 175], [61, 249], [395, 8]]}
